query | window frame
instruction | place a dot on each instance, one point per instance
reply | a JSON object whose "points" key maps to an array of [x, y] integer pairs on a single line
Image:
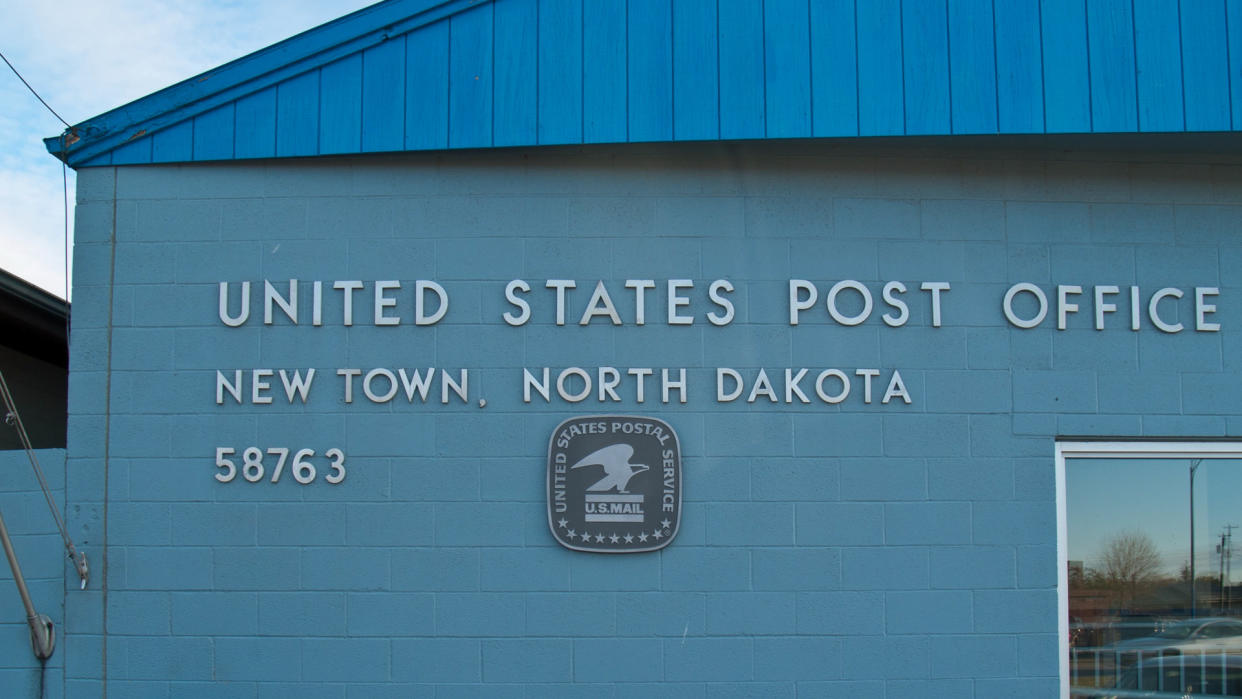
{"points": [[1114, 449]]}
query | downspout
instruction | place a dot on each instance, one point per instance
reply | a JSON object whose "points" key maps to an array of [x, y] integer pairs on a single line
{"points": [[12, 417], [42, 635]]}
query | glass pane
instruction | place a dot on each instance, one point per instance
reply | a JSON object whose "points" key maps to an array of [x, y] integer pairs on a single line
{"points": [[1136, 619]]}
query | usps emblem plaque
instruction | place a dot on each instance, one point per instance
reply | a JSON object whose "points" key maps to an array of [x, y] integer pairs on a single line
{"points": [[614, 484]]}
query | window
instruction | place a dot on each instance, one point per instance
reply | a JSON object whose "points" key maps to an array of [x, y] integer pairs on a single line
{"points": [[1148, 598]]}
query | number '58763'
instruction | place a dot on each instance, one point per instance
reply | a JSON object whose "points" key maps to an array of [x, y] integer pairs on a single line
{"points": [[302, 466]]}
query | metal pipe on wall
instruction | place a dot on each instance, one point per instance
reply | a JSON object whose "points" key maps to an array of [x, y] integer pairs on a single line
{"points": [[14, 418], [42, 634]]}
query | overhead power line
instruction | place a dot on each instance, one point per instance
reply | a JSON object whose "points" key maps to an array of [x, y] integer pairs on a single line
{"points": [[63, 172], [33, 92]]}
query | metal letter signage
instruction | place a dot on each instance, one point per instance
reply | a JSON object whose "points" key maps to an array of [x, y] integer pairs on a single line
{"points": [[614, 484]]}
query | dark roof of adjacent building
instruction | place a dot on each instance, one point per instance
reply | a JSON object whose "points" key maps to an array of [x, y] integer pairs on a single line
{"points": [[33, 321]]}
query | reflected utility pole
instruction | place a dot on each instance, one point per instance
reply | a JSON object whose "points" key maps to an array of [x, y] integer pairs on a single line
{"points": [[1226, 554], [1194, 466]]}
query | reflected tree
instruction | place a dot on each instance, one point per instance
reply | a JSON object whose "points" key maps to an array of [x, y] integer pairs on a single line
{"points": [[1129, 563]]}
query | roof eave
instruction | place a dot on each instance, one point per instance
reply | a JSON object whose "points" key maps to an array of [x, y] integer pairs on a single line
{"points": [[248, 74]]}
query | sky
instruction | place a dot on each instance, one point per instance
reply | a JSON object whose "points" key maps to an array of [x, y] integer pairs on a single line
{"points": [[1108, 497], [85, 58]]}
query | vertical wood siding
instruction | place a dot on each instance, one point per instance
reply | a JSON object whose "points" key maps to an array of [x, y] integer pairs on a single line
{"points": [[834, 68], [526, 72], [603, 71], [1020, 66], [383, 96], [427, 87], [972, 67], [516, 92], [559, 48]]}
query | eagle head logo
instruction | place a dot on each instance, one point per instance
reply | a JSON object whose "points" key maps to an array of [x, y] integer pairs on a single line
{"points": [[616, 462]]}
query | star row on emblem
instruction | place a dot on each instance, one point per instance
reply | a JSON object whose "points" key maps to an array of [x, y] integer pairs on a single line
{"points": [[613, 537]]}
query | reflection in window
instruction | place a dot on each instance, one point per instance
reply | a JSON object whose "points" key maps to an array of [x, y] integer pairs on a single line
{"points": [[1153, 605]]}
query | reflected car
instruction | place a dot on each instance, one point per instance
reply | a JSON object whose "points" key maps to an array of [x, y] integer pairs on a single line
{"points": [[1202, 634], [1176, 677]]}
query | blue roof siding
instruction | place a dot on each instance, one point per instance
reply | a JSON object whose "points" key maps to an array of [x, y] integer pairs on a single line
{"points": [[1110, 47], [516, 89], [383, 96], [881, 102], [427, 88], [1233, 29], [696, 102], [650, 70], [470, 78], [297, 116], [270, 66], [340, 106], [925, 63], [213, 134], [255, 130], [742, 101], [559, 70], [174, 144], [135, 152], [834, 68], [604, 115], [428, 75], [972, 66], [1019, 66], [104, 159], [1067, 78], [1205, 65], [1157, 53], [787, 68]]}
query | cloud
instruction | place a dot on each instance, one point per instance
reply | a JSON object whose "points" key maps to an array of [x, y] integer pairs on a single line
{"points": [[92, 56], [32, 227], [86, 58]]}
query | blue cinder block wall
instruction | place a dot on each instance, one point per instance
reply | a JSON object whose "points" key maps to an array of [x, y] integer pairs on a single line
{"points": [[41, 554], [853, 549]]}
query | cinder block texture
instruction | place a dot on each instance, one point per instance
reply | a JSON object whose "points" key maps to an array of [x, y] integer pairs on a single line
{"points": [[48, 575], [880, 524]]}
